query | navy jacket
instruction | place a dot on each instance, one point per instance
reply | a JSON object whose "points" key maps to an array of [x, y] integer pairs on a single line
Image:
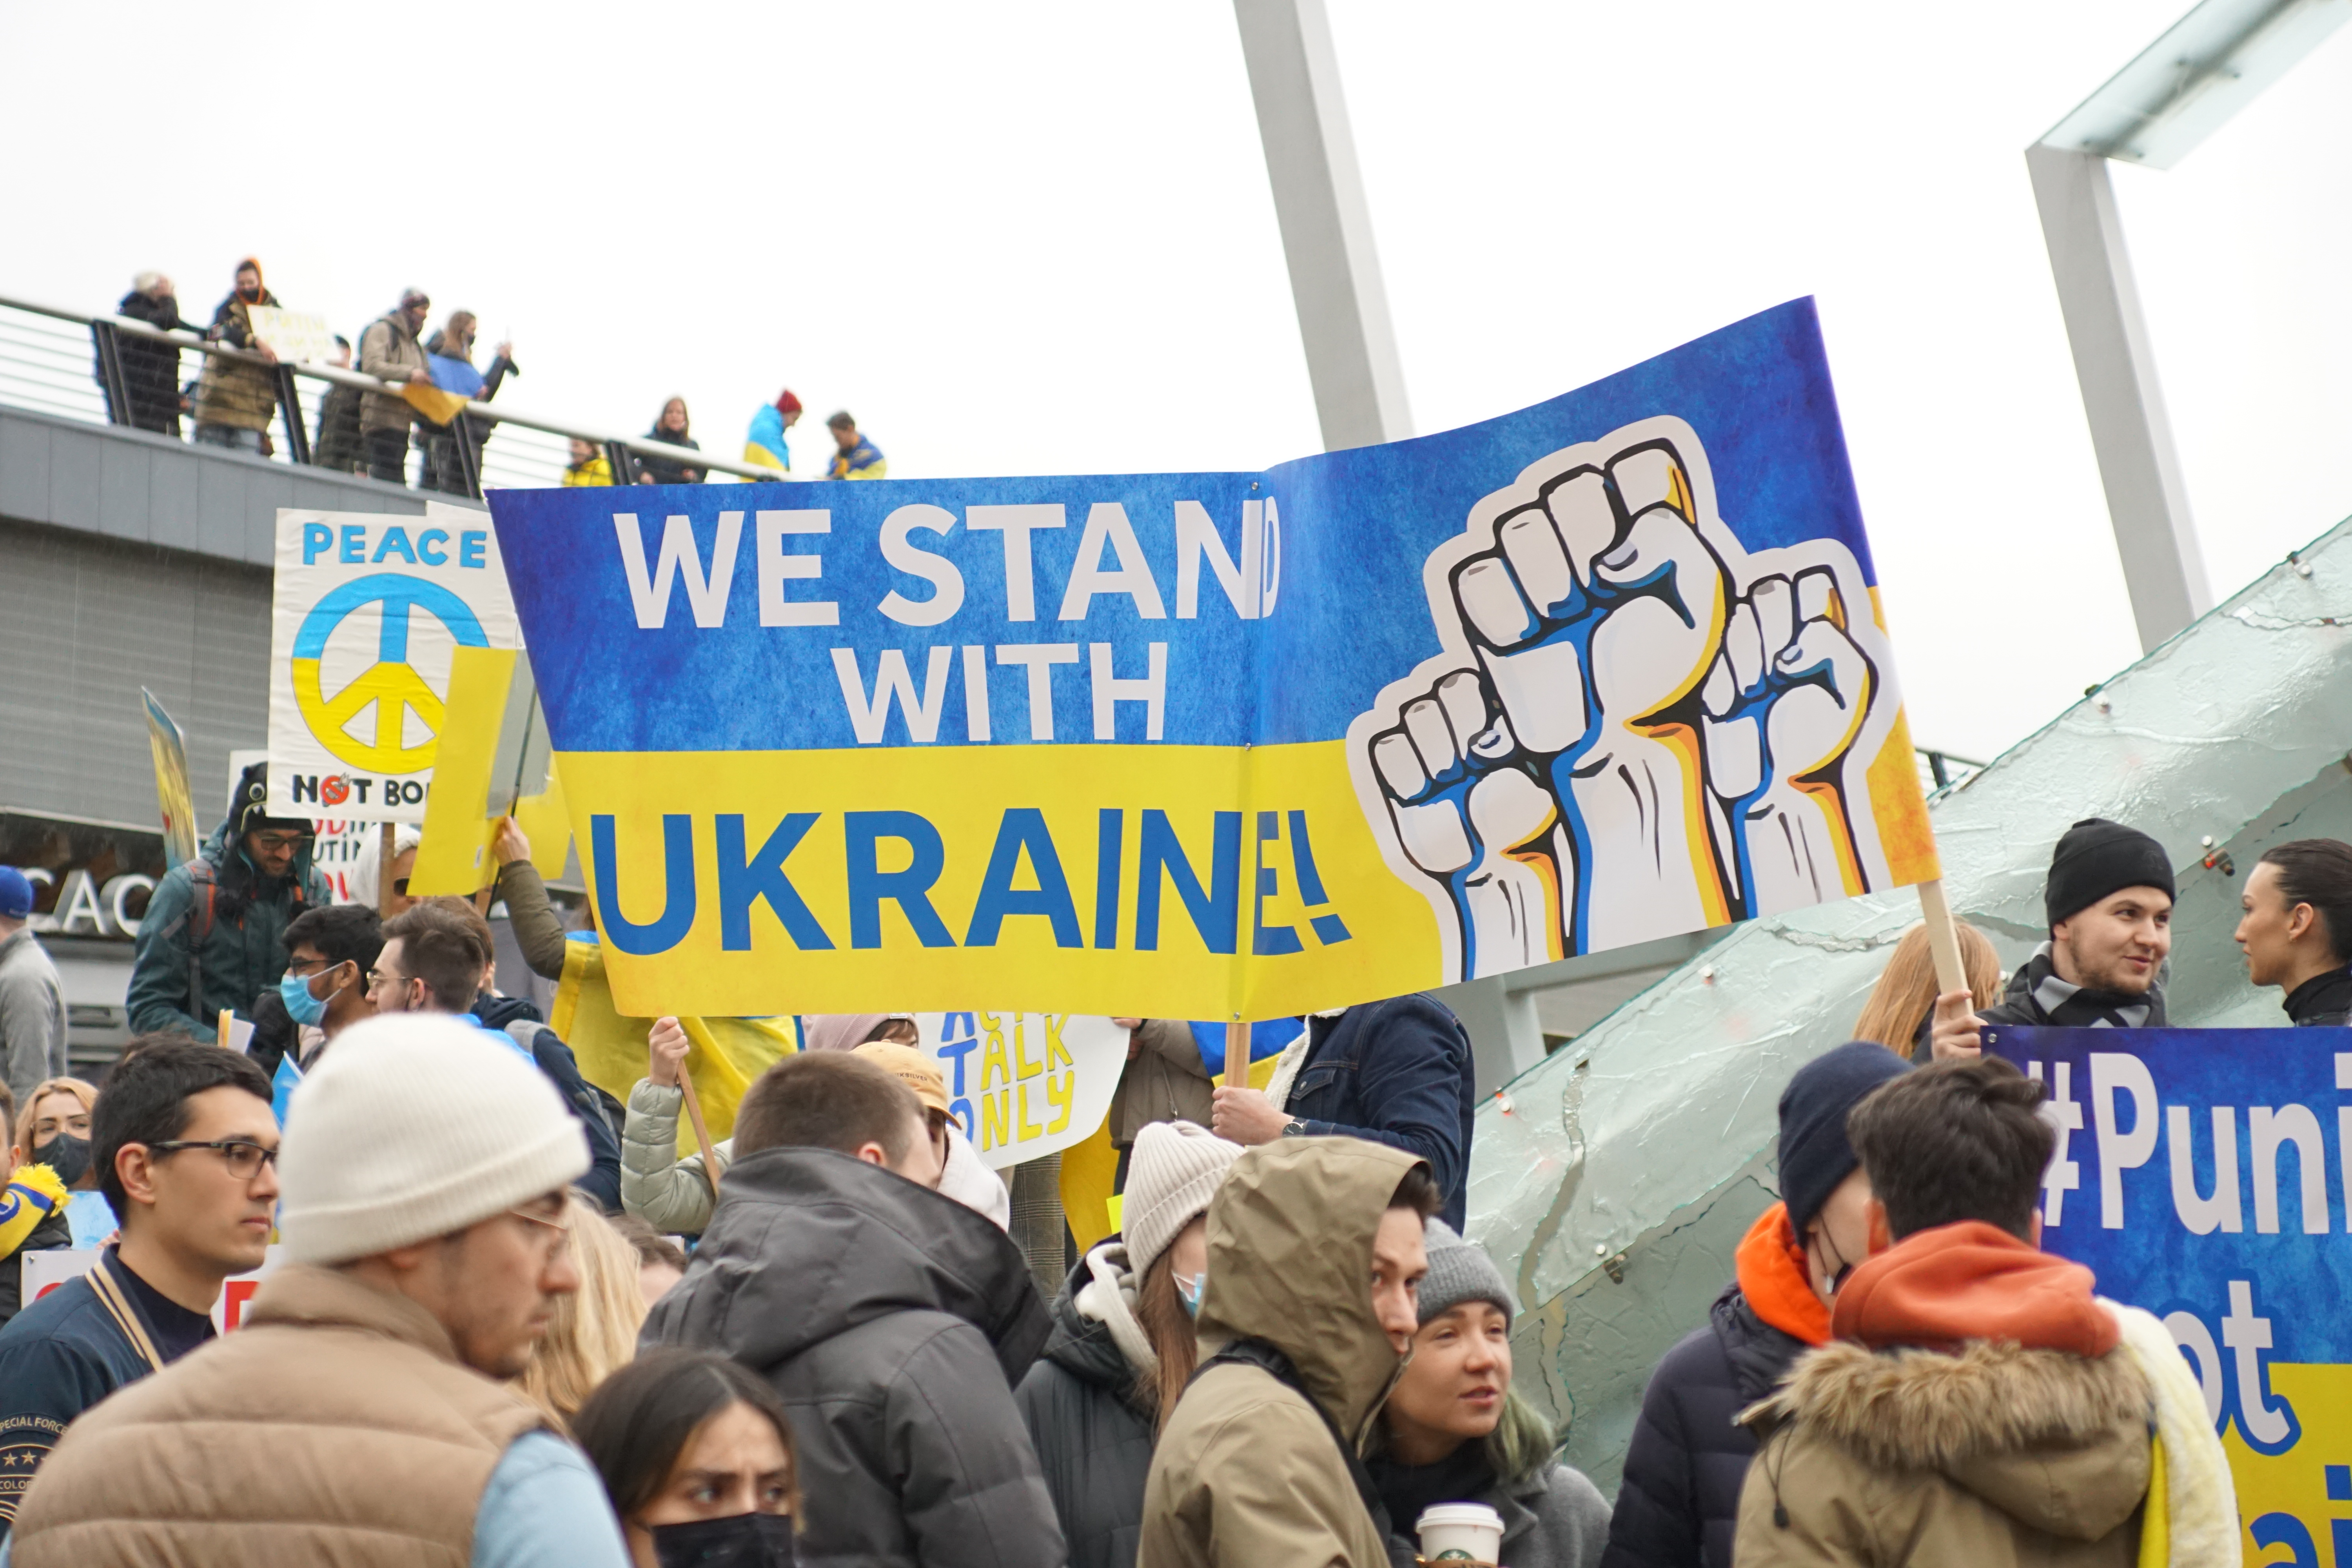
{"points": [[1678, 1506], [63, 1354], [519, 1022], [1397, 1072]]}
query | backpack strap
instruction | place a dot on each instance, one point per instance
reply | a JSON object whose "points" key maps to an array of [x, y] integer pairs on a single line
{"points": [[204, 885], [1276, 1365]]}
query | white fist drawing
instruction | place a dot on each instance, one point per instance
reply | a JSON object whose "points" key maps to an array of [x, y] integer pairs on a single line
{"points": [[1783, 704], [1636, 728]]}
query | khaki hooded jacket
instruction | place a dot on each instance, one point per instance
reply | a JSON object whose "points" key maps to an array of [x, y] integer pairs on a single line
{"points": [[1246, 1474]]}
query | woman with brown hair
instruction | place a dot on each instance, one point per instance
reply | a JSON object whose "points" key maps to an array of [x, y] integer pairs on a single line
{"points": [[593, 1332], [1123, 1345], [673, 429], [1902, 1007]]}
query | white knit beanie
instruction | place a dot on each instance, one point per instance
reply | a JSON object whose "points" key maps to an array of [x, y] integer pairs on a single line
{"points": [[1172, 1174], [416, 1125]]}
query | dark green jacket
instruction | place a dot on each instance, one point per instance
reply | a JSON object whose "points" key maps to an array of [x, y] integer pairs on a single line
{"points": [[244, 955]]}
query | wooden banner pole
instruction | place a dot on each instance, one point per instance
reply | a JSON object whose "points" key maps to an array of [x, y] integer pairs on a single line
{"points": [[1943, 940]]}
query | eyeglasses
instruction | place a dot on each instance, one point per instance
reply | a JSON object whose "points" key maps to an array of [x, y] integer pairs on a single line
{"points": [[562, 1241], [274, 842], [243, 1157], [377, 978], [307, 967]]}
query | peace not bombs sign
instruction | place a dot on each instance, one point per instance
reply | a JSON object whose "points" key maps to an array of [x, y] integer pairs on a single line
{"points": [[367, 610]]}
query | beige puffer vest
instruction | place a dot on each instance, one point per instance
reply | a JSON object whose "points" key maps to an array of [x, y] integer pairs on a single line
{"points": [[336, 1426]]}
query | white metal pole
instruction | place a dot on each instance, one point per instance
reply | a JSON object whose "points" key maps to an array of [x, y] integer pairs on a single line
{"points": [[1326, 231], [2146, 501]]}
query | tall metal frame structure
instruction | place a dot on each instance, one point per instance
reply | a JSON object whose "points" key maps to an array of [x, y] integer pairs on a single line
{"points": [[2155, 110]]}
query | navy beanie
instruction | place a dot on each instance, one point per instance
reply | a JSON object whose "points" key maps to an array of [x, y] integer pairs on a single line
{"points": [[1815, 1154], [2097, 858]]}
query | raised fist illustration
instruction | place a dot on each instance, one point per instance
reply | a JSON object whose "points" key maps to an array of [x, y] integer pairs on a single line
{"points": [[1637, 727], [1463, 802], [1783, 704], [1595, 611]]}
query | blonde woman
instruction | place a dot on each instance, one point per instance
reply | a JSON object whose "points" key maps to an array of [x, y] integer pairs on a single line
{"points": [[1902, 1006], [592, 1332], [52, 1130]]}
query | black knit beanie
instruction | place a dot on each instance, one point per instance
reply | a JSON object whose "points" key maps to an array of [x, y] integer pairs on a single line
{"points": [[1815, 1154], [2097, 858]]}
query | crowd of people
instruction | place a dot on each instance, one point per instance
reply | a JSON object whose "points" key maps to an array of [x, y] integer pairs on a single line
{"points": [[233, 401], [509, 1325]]}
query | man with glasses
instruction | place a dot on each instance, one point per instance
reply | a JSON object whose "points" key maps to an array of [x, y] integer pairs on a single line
{"points": [[432, 960], [213, 937], [329, 954], [187, 1149], [360, 1413]]}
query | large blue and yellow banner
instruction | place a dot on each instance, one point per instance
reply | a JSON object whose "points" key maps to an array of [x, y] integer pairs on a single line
{"points": [[1232, 745], [2228, 1219]]}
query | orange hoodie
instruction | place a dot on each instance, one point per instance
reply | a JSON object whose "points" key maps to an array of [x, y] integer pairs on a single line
{"points": [[1770, 1264], [1972, 1281]]}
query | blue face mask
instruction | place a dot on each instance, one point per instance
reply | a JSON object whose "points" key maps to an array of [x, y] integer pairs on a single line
{"points": [[294, 990], [1188, 1290]]}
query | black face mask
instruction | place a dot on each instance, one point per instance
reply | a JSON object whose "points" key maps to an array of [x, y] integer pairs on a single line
{"points": [[66, 1154], [738, 1540]]}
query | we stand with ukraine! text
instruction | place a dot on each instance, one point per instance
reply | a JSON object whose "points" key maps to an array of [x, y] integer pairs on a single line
{"points": [[1236, 745]]}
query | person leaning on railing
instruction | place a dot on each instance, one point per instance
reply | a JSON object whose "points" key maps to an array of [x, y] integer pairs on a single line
{"points": [[389, 352], [449, 357], [338, 445], [236, 398], [588, 466], [150, 370]]}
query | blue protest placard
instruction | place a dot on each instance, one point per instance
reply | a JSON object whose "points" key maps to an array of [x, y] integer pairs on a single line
{"points": [[2203, 1175]]}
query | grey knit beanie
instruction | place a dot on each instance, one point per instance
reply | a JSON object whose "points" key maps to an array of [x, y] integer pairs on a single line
{"points": [[1459, 1271]]}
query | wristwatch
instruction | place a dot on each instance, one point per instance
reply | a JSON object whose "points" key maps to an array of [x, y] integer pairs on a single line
{"points": [[1294, 1128]]}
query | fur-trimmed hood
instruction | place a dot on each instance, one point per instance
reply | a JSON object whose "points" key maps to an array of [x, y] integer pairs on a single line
{"points": [[2056, 1441]]}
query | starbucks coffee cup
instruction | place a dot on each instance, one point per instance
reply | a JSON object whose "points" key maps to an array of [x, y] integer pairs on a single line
{"points": [[1460, 1532]]}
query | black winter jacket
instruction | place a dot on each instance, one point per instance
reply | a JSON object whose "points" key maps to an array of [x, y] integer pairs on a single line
{"points": [[150, 370], [1678, 1506], [894, 1322], [1093, 1442], [1397, 1072], [2321, 1002]]}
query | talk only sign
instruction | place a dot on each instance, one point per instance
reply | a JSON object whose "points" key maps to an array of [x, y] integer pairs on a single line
{"points": [[1229, 745], [2206, 1176]]}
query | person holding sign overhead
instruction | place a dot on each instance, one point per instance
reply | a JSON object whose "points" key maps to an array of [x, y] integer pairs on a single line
{"points": [[1397, 1072]]}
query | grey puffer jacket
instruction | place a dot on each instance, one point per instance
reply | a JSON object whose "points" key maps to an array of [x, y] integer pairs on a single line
{"points": [[1093, 1440], [894, 1322]]}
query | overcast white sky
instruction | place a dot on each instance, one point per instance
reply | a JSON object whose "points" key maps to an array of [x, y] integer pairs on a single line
{"points": [[1034, 238]]}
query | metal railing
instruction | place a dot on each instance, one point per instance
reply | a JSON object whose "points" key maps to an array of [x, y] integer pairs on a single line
{"points": [[1942, 770], [79, 375]]}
